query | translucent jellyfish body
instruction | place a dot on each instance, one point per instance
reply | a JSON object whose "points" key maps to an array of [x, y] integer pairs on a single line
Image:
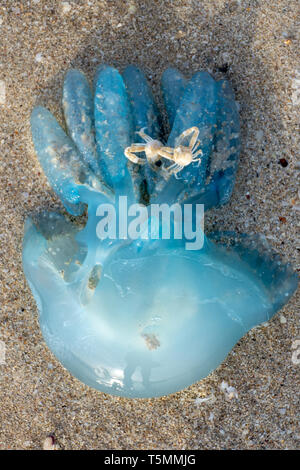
{"points": [[143, 317]]}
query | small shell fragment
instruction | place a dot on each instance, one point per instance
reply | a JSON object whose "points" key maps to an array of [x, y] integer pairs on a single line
{"points": [[49, 443]]}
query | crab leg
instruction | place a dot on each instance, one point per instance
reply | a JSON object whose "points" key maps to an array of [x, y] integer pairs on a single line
{"points": [[196, 146], [166, 152], [177, 170], [129, 153], [197, 153], [192, 130], [172, 166], [144, 136]]}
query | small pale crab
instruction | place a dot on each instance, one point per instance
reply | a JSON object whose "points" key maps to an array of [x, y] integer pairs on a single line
{"points": [[181, 155], [151, 148]]}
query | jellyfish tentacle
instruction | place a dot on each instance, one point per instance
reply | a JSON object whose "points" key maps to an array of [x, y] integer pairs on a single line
{"points": [[78, 108], [197, 108], [60, 160], [114, 128], [173, 84], [224, 158], [145, 118]]}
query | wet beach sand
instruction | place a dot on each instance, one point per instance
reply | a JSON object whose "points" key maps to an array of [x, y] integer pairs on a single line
{"points": [[254, 44]]}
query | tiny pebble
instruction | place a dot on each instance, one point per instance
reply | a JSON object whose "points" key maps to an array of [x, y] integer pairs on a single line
{"points": [[39, 57], [230, 392], [2, 92], [132, 9], [199, 400], [66, 7], [259, 134], [49, 443], [296, 352], [283, 162], [2, 352]]}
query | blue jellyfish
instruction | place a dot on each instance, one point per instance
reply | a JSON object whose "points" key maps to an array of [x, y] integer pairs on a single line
{"points": [[144, 316]]}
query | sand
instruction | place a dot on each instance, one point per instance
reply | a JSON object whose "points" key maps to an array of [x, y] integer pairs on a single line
{"points": [[255, 45]]}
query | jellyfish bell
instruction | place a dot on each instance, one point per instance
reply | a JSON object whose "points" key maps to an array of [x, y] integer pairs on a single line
{"points": [[144, 316]]}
